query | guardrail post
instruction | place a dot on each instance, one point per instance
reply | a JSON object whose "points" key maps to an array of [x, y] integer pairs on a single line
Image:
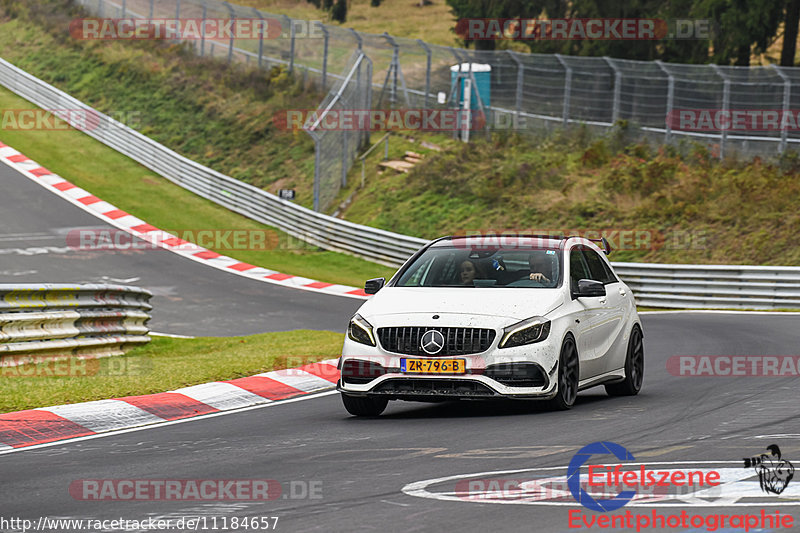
{"points": [[567, 89], [520, 81], [124, 8], [151, 9], [670, 99], [726, 103], [427, 72], [617, 89], [233, 18], [787, 95], [177, 10], [325, 37]]}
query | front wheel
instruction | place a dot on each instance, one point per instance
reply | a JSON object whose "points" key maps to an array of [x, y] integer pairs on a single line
{"points": [[567, 377], [634, 368], [364, 406]]}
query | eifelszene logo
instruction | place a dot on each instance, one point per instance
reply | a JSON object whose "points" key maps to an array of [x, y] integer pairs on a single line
{"points": [[774, 472]]}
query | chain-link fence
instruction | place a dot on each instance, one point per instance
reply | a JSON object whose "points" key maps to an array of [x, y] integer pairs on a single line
{"points": [[525, 91]]}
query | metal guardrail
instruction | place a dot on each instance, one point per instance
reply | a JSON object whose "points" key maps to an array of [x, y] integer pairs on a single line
{"points": [[46, 321], [712, 286], [376, 245], [673, 286]]}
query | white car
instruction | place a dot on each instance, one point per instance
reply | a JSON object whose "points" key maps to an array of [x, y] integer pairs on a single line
{"points": [[526, 317]]}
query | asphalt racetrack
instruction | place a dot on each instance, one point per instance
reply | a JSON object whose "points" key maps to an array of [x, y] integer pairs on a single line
{"points": [[189, 298], [405, 471]]}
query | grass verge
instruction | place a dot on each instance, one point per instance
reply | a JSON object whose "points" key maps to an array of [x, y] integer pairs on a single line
{"points": [[162, 365]]}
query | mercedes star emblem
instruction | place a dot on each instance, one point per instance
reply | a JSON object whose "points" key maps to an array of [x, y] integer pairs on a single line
{"points": [[432, 341]]}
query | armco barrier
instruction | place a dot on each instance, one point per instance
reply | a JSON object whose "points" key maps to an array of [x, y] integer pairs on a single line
{"points": [[318, 229], [59, 320], [655, 285]]}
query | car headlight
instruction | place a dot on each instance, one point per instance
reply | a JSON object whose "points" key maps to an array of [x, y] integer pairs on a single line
{"points": [[529, 331], [360, 331]]}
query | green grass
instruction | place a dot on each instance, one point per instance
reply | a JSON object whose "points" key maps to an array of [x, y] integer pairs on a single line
{"points": [[434, 23], [218, 116], [697, 209], [162, 365]]}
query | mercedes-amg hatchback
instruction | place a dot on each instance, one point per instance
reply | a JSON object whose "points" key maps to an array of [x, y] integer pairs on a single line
{"points": [[480, 318]]}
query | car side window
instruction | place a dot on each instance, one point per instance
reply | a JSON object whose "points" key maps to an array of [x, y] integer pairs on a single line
{"points": [[577, 268], [598, 268]]}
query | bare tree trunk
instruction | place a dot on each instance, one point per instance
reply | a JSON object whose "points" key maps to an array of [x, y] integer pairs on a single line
{"points": [[790, 33]]}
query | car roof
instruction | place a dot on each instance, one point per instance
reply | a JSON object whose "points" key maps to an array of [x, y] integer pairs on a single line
{"points": [[500, 240]]}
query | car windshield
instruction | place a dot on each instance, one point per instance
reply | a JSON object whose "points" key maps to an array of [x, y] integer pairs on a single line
{"points": [[454, 266]]}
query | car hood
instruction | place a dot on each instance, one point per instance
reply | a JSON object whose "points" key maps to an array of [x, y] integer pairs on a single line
{"points": [[509, 303]]}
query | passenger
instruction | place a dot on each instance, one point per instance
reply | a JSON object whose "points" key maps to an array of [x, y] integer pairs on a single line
{"points": [[468, 271]]}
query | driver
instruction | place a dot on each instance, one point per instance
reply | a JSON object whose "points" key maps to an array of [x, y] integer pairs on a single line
{"points": [[541, 270]]}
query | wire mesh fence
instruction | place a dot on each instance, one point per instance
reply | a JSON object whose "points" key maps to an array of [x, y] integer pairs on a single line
{"points": [[737, 110]]}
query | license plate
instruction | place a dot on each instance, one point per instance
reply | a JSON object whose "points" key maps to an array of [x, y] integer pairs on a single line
{"points": [[433, 366]]}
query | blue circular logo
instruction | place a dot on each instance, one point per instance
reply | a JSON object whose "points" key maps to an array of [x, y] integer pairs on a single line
{"points": [[574, 476]]}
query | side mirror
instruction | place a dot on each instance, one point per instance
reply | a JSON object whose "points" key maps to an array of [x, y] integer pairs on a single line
{"points": [[374, 285], [589, 288]]}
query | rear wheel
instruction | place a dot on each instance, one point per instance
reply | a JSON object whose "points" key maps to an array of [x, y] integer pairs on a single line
{"points": [[364, 406], [634, 367], [568, 372]]}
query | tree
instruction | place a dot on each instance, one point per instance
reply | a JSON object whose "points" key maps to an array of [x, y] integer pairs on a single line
{"points": [[790, 23], [478, 9]]}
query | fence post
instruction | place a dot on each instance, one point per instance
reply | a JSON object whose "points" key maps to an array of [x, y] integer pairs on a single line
{"points": [[726, 103], [670, 99], [177, 9], [368, 93], [124, 8], [344, 158], [260, 17], [291, 44], [567, 89], [317, 150], [232, 14], [520, 81], [202, 33], [787, 95], [151, 10], [358, 38], [395, 66], [617, 89], [427, 72], [100, 8], [324, 54]]}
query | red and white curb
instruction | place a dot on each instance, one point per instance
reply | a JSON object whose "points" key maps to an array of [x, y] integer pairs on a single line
{"points": [[139, 228], [50, 424]]}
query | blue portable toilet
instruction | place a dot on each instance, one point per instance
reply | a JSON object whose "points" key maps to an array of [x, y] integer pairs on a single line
{"points": [[483, 83]]}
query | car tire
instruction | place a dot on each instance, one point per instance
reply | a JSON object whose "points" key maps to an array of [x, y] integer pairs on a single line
{"points": [[634, 367], [359, 406], [568, 377]]}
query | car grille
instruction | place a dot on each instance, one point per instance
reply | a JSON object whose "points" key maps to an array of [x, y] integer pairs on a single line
{"points": [[433, 387], [458, 341]]}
